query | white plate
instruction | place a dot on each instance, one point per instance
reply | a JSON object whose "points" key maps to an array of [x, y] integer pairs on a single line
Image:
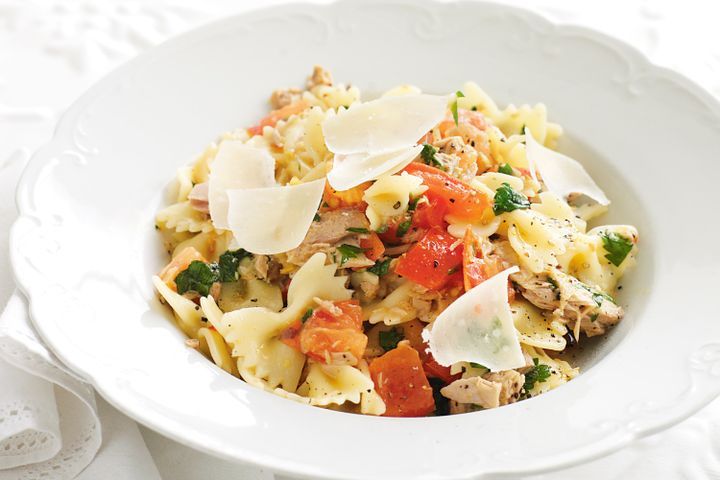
{"points": [[84, 247]]}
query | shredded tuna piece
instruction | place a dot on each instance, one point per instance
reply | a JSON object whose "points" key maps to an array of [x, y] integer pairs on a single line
{"points": [[320, 76], [199, 197]]}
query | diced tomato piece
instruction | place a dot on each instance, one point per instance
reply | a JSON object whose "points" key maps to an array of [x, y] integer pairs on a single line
{"points": [[432, 261], [178, 264], [277, 115], [401, 383], [291, 335], [373, 246], [334, 331], [461, 200], [475, 270], [434, 369], [430, 214]]}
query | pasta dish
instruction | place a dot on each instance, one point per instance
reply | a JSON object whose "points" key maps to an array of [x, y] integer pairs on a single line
{"points": [[411, 255]]}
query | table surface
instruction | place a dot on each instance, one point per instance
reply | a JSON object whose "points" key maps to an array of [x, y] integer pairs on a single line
{"points": [[74, 43]]}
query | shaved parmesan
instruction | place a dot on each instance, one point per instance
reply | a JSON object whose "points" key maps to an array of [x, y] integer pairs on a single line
{"points": [[236, 166], [384, 125], [351, 170], [562, 175], [275, 219], [478, 327]]}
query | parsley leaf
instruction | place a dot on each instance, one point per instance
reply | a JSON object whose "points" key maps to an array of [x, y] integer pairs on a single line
{"points": [[538, 373], [477, 365], [403, 227], [389, 339], [308, 313], [507, 200], [413, 203], [428, 156], [617, 247], [506, 169], [229, 262], [382, 228], [316, 218], [348, 251], [198, 277], [357, 230], [381, 267], [454, 106]]}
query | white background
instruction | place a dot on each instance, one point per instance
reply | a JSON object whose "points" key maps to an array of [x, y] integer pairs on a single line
{"points": [[51, 51]]}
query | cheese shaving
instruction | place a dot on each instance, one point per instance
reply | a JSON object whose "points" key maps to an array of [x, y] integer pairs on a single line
{"points": [[236, 166], [275, 219], [561, 174], [478, 327]]}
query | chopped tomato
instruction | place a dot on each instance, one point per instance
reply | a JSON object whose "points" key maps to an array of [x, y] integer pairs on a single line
{"points": [[332, 332], [434, 369], [475, 269], [433, 261], [180, 262], [373, 246], [291, 335], [277, 115], [430, 214], [461, 200], [401, 383], [333, 199]]}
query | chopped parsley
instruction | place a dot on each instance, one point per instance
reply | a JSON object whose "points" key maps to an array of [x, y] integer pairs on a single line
{"points": [[357, 230], [428, 156], [538, 373], [381, 267], [506, 169], [308, 313], [198, 277], [382, 228], [617, 247], [403, 227], [477, 365], [316, 218], [594, 316], [454, 106], [553, 283], [413, 203], [389, 339], [507, 200], [229, 262], [348, 251]]}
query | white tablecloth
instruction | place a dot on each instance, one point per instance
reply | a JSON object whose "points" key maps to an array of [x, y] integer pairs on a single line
{"points": [[52, 50]]}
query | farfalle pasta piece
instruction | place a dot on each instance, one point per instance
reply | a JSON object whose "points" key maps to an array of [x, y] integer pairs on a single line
{"points": [[182, 217], [389, 197], [186, 311], [253, 331], [537, 330], [328, 384]]}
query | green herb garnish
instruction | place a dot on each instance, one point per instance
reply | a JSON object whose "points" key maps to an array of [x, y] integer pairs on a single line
{"points": [[477, 365], [617, 247], [229, 262], [357, 230], [198, 277], [454, 106], [428, 156], [538, 373], [413, 203], [308, 313], [382, 229], [316, 218], [506, 169], [403, 227], [507, 200], [389, 339], [381, 267], [348, 251]]}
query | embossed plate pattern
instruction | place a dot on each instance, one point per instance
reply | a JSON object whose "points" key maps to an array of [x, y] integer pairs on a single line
{"points": [[83, 249]]}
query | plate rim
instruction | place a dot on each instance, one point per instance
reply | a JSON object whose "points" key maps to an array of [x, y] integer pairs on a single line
{"points": [[68, 119]]}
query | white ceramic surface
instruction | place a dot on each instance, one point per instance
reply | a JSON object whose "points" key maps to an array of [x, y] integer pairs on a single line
{"points": [[84, 248]]}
